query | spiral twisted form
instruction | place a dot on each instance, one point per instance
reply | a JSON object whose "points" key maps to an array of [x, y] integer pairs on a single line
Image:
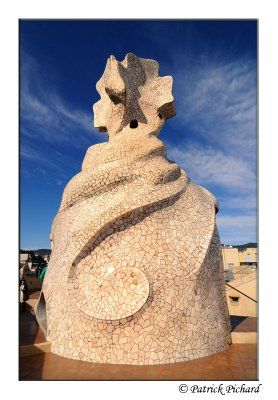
{"points": [[135, 274]]}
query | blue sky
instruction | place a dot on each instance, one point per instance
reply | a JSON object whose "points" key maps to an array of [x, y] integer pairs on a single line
{"points": [[213, 136]]}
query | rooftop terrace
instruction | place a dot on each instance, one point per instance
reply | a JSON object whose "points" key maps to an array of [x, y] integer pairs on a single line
{"points": [[238, 362]]}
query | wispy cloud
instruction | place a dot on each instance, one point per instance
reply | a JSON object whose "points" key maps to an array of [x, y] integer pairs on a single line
{"points": [[232, 181], [51, 117], [240, 202], [216, 111], [30, 153], [235, 229], [59, 182], [207, 165], [46, 162], [245, 222], [218, 102]]}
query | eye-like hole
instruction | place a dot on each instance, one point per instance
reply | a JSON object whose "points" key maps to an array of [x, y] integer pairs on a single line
{"points": [[133, 124], [102, 129], [160, 116]]}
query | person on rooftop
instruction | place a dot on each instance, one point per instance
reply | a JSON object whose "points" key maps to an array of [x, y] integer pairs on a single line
{"points": [[41, 277], [23, 294]]}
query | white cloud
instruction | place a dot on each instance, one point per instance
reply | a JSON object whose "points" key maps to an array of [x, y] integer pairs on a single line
{"points": [[218, 102], [207, 165], [237, 229], [56, 160], [59, 182], [50, 116], [28, 152], [216, 105], [241, 222], [242, 202], [238, 237], [236, 182]]}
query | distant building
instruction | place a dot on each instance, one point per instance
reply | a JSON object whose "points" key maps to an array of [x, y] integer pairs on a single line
{"points": [[23, 258], [237, 261], [248, 256], [230, 257], [241, 295]]}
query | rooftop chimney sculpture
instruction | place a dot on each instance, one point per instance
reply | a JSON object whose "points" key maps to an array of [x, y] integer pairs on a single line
{"points": [[135, 275]]}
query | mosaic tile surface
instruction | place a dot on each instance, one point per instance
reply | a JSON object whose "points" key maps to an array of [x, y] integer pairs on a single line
{"points": [[135, 275]]}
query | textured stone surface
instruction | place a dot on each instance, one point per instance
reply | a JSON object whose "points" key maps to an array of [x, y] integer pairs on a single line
{"points": [[135, 275]]}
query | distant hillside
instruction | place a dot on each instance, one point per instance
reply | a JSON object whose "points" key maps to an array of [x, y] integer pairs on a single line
{"points": [[245, 246], [40, 252]]}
